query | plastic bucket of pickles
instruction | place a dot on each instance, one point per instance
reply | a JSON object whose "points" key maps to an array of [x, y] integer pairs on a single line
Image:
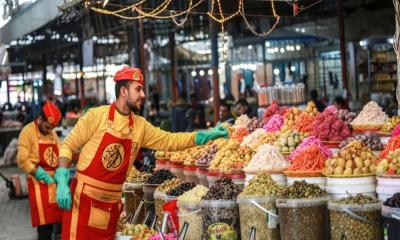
{"points": [[260, 213], [303, 212], [190, 211], [355, 217], [159, 199], [160, 195], [257, 208], [133, 196]]}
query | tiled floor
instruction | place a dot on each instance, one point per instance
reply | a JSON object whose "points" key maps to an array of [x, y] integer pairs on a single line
{"points": [[15, 222]]}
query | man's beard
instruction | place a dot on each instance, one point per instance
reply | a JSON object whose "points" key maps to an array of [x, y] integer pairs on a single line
{"points": [[133, 107]]}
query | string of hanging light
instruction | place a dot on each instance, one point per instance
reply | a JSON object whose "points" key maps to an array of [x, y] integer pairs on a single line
{"points": [[136, 11]]}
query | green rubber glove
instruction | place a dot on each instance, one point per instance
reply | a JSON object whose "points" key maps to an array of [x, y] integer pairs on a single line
{"points": [[203, 137], [63, 192], [41, 174]]}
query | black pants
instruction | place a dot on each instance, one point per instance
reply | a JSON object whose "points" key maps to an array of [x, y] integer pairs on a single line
{"points": [[45, 231]]}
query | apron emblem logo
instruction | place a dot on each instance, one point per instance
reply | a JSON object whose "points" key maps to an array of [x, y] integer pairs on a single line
{"points": [[50, 157], [113, 155]]}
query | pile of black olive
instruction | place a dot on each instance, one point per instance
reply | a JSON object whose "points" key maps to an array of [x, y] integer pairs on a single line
{"points": [[181, 189], [393, 201], [160, 176]]}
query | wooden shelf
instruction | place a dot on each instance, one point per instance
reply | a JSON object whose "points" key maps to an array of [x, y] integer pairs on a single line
{"points": [[377, 81], [383, 91], [383, 71], [387, 62]]}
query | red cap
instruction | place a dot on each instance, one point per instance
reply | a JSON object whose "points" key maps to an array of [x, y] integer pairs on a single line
{"points": [[129, 73], [52, 113]]}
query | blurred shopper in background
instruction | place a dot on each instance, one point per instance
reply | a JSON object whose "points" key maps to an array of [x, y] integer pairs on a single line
{"points": [[225, 114], [179, 122], [242, 107], [314, 97]]}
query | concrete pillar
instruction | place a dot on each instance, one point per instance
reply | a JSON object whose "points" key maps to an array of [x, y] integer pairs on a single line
{"points": [[173, 66], [342, 45], [214, 67]]}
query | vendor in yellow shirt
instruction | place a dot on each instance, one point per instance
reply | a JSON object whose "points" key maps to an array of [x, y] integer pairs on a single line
{"points": [[37, 156], [109, 138]]}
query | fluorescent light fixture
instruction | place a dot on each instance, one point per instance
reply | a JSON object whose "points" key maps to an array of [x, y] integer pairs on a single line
{"points": [[57, 92], [249, 66]]}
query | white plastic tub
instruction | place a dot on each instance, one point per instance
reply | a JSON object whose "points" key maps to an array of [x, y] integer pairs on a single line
{"points": [[177, 170], [191, 213], [202, 176], [303, 218], [220, 219], [159, 199], [342, 187], [355, 221], [389, 181], [387, 186], [351, 181], [238, 179], [190, 173], [148, 198], [254, 208], [342, 192], [212, 177]]}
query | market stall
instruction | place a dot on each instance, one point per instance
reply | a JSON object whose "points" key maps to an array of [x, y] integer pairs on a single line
{"points": [[310, 175]]}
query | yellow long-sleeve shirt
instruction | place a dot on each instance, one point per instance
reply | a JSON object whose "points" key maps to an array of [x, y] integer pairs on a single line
{"points": [[28, 147], [89, 130]]}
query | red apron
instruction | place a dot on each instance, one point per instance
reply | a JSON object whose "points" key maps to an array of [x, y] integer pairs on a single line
{"points": [[42, 196], [96, 191]]}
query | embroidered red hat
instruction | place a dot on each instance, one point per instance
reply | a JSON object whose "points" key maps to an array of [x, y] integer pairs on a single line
{"points": [[52, 113], [129, 73]]}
